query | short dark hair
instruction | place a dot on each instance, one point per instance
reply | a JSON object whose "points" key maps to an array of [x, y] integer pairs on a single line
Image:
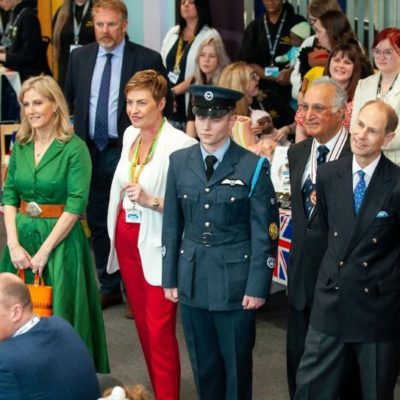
{"points": [[203, 12]]}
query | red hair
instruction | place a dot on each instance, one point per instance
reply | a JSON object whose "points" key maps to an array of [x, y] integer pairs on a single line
{"points": [[391, 34]]}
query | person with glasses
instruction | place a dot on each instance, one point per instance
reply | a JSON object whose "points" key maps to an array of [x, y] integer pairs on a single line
{"points": [[323, 110], [385, 85]]}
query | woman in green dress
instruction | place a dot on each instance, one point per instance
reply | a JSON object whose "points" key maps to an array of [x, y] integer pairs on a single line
{"points": [[45, 193]]}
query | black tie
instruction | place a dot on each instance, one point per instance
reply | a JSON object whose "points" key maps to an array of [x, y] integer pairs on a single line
{"points": [[309, 187], [101, 121], [210, 161]]}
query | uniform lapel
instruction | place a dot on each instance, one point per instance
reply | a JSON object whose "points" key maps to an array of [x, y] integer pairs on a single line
{"points": [[226, 166], [197, 165], [374, 198]]}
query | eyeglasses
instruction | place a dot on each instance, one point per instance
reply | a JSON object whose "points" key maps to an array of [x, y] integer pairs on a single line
{"points": [[316, 108], [387, 53], [254, 76]]}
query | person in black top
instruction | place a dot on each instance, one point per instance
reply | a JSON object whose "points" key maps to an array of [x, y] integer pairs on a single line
{"points": [[267, 37], [72, 27], [21, 44]]}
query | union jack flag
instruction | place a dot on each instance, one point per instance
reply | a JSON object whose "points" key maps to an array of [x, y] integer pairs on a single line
{"points": [[284, 244]]}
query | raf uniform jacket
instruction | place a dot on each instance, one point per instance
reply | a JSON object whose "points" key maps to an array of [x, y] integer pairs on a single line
{"points": [[79, 79], [48, 362], [217, 245], [357, 296], [308, 241]]}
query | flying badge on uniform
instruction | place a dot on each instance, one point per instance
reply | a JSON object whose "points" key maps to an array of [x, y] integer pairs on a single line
{"points": [[273, 231], [232, 182], [271, 262], [163, 251]]}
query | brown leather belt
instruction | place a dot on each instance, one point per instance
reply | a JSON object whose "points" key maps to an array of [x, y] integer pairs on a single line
{"points": [[36, 210]]}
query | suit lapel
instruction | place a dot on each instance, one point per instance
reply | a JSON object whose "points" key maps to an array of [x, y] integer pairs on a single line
{"points": [[374, 198], [54, 149], [126, 73], [226, 166], [86, 75]]}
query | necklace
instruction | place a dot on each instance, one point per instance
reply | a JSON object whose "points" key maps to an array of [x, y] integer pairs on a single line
{"points": [[379, 95]]}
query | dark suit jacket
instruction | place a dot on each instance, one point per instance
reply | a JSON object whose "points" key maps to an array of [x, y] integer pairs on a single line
{"points": [[357, 296], [225, 248], [79, 79], [308, 241], [48, 362]]}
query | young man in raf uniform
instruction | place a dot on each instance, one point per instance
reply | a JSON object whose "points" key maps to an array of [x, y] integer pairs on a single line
{"points": [[220, 232]]}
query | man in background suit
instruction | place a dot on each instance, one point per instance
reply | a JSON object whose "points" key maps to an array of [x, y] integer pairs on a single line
{"points": [[357, 297], [94, 87], [323, 110], [220, 231], [40, 357]]}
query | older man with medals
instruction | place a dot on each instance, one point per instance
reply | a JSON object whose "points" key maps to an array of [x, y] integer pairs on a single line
{"points": [[220, 231]]}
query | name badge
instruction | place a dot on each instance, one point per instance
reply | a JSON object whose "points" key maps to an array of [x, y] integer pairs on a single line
{"points": [[173, 77], [74, 46], [133, 216], [271, 71]]}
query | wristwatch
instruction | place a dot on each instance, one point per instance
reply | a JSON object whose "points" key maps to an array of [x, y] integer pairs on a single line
{"points": [[155, 204]]}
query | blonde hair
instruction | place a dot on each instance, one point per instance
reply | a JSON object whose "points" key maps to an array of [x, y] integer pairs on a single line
{"points": [[47, 87], [236, 76], [222, 61]]}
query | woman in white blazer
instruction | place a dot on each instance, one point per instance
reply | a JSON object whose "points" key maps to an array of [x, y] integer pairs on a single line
{"points": [[134, 225], [179, 49], [384, 85]]}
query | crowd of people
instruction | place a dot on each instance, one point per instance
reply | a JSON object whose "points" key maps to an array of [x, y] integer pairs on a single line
{"points": [[159, 153]]}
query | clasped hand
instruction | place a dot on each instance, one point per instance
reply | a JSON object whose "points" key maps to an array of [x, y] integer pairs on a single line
{"points": [[136, 194], [21, 259]]}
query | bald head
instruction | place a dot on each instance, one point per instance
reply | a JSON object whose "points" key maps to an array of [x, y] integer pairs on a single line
{"points": [[14, 291]]}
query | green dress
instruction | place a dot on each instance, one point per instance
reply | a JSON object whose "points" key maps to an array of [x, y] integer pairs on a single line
{"points": [[61, 177]]}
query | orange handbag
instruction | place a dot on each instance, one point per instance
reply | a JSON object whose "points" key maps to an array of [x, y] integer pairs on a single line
{"points": [[41, 295]]}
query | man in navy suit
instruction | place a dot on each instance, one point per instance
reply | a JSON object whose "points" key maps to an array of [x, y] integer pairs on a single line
{"points": [[357, 297], [40, 358], [98, 107], [220, 231]]}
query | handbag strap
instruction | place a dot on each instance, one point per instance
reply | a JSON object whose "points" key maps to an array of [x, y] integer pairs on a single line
{"points": [[38, 281]]}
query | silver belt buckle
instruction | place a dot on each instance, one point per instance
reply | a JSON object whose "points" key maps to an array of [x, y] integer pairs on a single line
{"points": [[33, 209]]}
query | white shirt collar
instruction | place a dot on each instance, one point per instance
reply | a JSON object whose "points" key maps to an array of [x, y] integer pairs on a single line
{"points": [[27, 326], [369, 169]]}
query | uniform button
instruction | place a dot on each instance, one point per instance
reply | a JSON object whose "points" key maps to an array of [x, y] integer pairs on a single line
{"points": [[341, 264], [246, 256], [232, 199], [207, 224], [336, 287], [374, 240], [182, 251], [366, 290], [206, 206], [207, 190], [185, 196], [335, 234], [365, 264]]}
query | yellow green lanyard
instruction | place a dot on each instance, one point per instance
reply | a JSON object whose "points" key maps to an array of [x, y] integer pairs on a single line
{"points": [[179, 54], [136, 168]]}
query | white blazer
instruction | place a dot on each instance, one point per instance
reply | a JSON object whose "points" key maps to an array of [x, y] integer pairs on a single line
{"points": [[366, 90], [153, 180], [173, 35]]}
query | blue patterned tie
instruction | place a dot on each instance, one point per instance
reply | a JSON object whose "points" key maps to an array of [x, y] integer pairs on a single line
{"points": [[359, 191], [101, 121], [308, 190]]}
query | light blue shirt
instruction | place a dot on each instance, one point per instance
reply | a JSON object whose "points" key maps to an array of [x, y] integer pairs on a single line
{"points": [[116, 66], [219, 153]]}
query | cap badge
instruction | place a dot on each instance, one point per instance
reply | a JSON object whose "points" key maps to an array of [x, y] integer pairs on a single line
{"points": [[208, 95]]}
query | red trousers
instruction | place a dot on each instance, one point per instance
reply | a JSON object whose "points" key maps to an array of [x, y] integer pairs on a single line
{"points": [[155, 317]]}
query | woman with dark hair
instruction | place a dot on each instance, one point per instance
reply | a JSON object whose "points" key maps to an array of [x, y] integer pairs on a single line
{"points": [[72, 27], [384, 85], [179, 50]]}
